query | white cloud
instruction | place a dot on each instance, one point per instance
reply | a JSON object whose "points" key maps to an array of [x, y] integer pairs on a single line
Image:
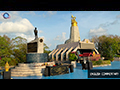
{"points": [[31, 13], [28, 37], [118, 16], [61, 37], [17, 26], [52, 12], [57, 38], [40, 31], [49, 45], [109, 23], [22, 26], [99, 31], [49, 13]]}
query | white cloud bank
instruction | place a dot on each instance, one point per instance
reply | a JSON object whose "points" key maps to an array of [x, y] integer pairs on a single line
{"points": [[28, 37], [22, 26], [99, 31], [18, 26]]}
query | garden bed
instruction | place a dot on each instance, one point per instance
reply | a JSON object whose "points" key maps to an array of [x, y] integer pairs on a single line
{"points": [[101, 63]]}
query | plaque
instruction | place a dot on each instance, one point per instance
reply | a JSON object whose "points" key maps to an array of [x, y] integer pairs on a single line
{"points": [[32, 47]]}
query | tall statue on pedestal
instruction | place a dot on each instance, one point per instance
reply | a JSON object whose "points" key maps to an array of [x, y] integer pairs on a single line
{"points": [[35, 32], [35, 50]]}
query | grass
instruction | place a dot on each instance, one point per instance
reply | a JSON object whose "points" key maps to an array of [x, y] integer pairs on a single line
{"points": [[101, 62]]}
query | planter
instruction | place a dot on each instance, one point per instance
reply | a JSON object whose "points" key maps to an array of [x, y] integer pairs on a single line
{"points": [[73, 63]]}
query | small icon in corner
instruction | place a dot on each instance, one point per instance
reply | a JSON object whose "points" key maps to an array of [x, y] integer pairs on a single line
{"points": [[5, 15]]}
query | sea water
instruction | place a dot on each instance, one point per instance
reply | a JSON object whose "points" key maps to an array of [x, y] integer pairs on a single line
{"points": [[77, 74]]}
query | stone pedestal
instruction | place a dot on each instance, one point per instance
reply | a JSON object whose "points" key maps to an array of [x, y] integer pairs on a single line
{"points": [[35, 52], [37, 57]]}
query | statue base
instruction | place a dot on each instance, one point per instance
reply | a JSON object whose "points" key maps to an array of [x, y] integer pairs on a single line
{"points": [[7, 75], [36, 57]]}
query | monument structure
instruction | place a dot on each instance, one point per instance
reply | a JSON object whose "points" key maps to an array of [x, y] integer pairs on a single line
{"points": [[74, 31], [35, 52], [73, 44]]}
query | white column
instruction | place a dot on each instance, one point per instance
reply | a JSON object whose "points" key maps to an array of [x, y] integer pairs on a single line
{"points": [[63, 53], [54, 53], [76, 49], [40, 43], [58, 54], [51, 52], [68, 53], [96, 51]]}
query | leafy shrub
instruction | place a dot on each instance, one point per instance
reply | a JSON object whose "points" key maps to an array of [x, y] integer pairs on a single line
{"points": [[99, 62], [72, 57]]}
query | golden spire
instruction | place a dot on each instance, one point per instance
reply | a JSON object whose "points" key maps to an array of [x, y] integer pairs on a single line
{"points": [[73, 21]]}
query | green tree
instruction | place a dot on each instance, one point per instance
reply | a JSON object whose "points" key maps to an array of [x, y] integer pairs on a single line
{"points": [[5, 50], [46, 47], [20, 47], [107, 46]]}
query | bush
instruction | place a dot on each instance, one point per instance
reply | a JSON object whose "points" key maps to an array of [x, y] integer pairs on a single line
{"points": [[97, 62], [117, 56], [106, 62], [72, 57]]}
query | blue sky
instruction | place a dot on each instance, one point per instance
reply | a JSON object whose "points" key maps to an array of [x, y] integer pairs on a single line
{"points": [[54, 26]]}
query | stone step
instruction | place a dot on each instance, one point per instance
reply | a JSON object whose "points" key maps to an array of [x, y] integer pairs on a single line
{"points": [[30, 67], [33, 64], [24, 75], [38, 72], [26, 70]]}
